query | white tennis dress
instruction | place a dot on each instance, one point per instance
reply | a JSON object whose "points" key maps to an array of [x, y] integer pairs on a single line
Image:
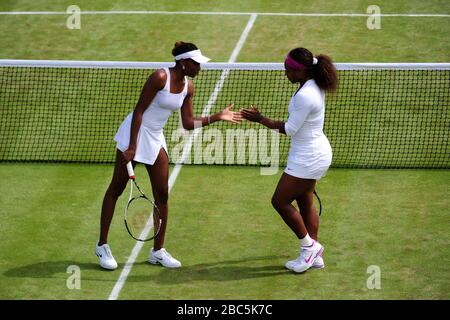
{"points": [[151, 138], [310, 153]]}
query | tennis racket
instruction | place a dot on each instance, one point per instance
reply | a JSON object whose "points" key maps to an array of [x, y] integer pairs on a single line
{"points": [[142, 217]]}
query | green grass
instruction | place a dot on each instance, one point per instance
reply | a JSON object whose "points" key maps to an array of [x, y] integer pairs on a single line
{"points": [[400, 39], [320, 6], [122, 37], [151, 37], [231, 242]]}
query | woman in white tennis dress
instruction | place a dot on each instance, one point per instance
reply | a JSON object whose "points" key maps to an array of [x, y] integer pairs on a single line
{"points": [[310, 154], [140, 139], [150, 138]]}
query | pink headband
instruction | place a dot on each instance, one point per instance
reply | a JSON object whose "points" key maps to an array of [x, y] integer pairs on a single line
{"points": [[291, 63]]}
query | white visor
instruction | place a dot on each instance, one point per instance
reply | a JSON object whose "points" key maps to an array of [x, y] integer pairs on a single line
{"points": [[195, 55]]}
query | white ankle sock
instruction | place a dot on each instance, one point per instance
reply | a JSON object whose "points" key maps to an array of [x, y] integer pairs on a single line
{"points": [[306, 241]]}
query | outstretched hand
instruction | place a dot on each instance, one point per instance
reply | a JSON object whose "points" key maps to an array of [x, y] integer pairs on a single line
{"points": [[251, 114], [231, 116]]}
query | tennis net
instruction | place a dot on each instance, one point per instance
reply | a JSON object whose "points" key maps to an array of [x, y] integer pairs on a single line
{"points": [[382, 115]]}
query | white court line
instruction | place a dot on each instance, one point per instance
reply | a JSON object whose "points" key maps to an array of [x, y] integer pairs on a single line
{"points": [[186, 151], [299, 14]]}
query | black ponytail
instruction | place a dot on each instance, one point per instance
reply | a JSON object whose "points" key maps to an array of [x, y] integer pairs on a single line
{"points": [[325, 73]]}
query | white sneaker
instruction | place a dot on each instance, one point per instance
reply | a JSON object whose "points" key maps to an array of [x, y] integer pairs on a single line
{"points": [[164, 258], [308, 256], [290, 264], [107, 260], [318, 263]]}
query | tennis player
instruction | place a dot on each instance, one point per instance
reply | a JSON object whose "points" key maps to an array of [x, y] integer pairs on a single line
{"points": [[140, 139], [310, 152]]}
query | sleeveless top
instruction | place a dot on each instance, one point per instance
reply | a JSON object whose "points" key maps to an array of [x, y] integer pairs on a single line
{"points": [[151, 138]]}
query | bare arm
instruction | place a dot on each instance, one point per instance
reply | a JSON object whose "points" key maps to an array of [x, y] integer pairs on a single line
{"points": [[254, 115], [154, 83], [190, 121]]}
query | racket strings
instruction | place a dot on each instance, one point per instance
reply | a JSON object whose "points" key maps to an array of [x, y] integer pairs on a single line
{"points": [[141, 215]]}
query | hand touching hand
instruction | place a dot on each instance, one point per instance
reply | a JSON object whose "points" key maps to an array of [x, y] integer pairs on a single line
{"points": [[251, 114], [230, 116]]}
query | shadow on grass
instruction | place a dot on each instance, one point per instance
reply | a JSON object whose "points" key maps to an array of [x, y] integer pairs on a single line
{"points": [[230, 270], [50, 269]]}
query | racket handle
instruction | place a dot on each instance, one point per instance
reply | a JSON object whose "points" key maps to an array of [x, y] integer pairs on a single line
{"points": [[130, 170]]}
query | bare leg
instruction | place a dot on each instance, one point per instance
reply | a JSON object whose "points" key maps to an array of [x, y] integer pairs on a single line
{"points": [[115, 189], [159, 178], [309, 214], [288, 189]]}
